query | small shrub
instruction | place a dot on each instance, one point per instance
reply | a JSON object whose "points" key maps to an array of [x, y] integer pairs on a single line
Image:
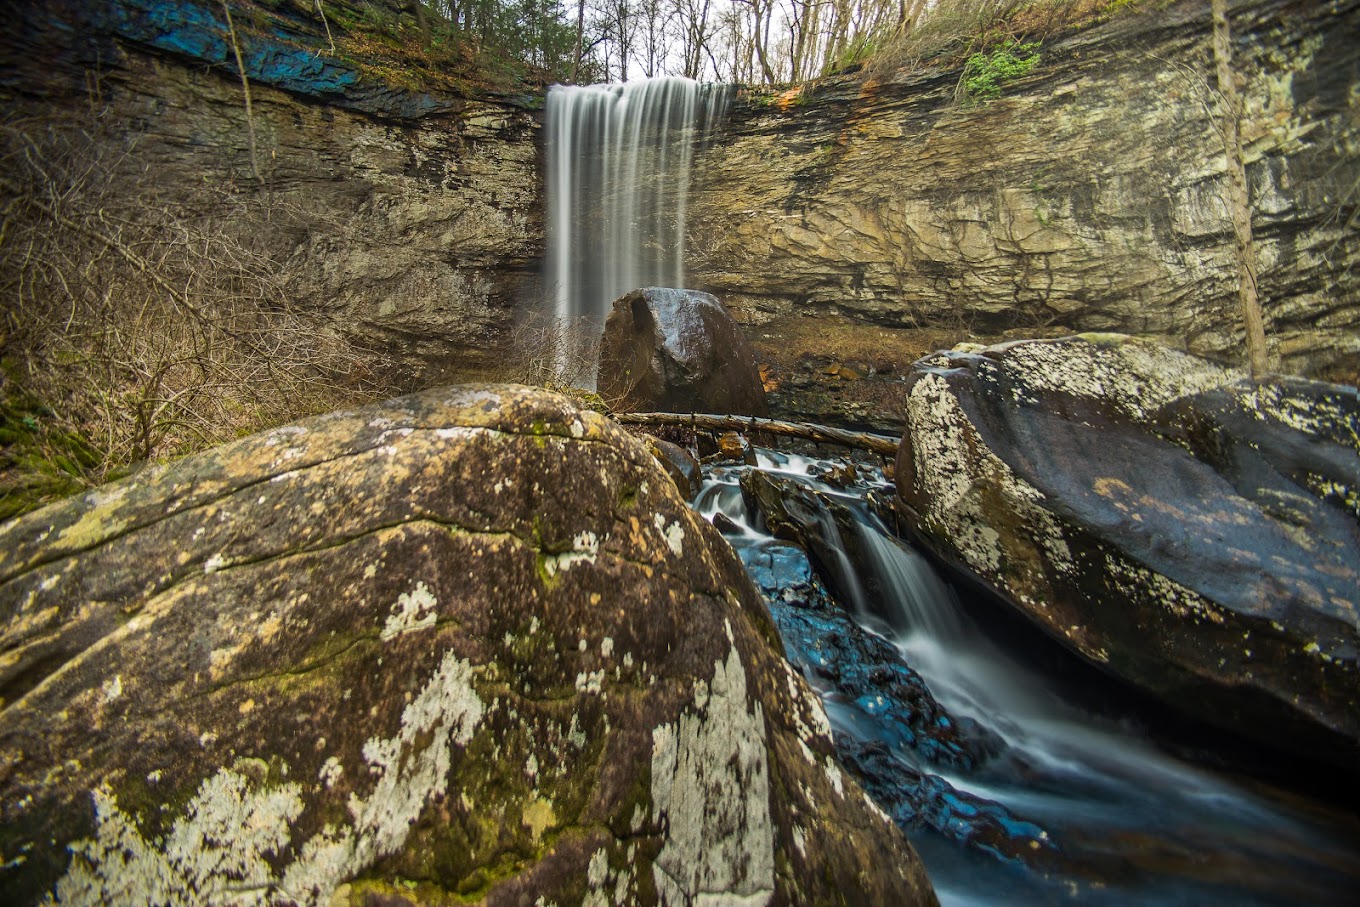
{"points": [[984, 73], [557, 354]]}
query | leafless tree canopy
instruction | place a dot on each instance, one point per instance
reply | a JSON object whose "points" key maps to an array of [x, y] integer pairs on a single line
{"points": [[771, 42]]}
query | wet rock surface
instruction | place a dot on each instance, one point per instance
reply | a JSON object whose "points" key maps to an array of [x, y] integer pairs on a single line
{"points": [[1194, 533], [1012, 790], [468, 644], [679, 464], [891, 733], [667, 350]]}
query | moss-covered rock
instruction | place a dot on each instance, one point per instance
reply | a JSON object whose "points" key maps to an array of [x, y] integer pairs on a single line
{"points": [[1194, 532], [424, 652]]}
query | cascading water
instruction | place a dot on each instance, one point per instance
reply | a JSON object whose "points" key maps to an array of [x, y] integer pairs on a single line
{"points": [[1119, 821], [619, 160]]}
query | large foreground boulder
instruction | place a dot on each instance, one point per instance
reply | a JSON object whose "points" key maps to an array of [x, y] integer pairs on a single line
{"points": [[1196, 533], [667, 350], [468, 645]]}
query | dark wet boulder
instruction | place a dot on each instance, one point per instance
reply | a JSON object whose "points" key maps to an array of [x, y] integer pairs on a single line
{"points": [[667, 350], [1192, 531], [794, 512], [679, 464], [917, 799], [468, 645]]}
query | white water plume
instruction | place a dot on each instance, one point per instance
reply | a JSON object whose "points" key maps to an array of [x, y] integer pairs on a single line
{"points": [[619, 159]]}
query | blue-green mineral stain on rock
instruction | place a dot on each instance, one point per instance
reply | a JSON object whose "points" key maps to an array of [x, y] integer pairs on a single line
{"points": [[271, 55], [200, 32]]}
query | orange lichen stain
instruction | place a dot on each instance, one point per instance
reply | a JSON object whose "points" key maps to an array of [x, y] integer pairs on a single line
{"points": [[1108, 488], [784, 100]]}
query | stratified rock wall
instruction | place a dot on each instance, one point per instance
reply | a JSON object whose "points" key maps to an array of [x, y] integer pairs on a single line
{"points": [[1088, 197], [408, 216]]}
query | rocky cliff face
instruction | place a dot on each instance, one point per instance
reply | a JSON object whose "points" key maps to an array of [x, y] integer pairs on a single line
{"points": [[1088, 197], [405, 212]]}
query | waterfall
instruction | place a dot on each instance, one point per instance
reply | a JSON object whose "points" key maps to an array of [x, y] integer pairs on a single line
{"points": [[618, 159]]}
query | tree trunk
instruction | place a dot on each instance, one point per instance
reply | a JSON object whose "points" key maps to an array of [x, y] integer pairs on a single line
{"points": [[1239, 198], [580, 37], [822, 434]]}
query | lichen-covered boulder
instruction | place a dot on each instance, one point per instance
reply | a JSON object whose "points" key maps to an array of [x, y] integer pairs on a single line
{"points": [[667, 350], [468, 645], [1194, 532]]}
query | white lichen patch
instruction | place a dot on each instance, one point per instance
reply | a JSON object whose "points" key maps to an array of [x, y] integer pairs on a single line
{"points": [[218, 851], [331, 772], [833, 774], [214, 563], [674, 534], [948, 474], [877, 810], [414, 610], [1137, 378], [806, 702], [284, 435], [457, 431], [962, 482], [585, 548], [589, 682], [112, 688], [710, 784], [575, 736]]}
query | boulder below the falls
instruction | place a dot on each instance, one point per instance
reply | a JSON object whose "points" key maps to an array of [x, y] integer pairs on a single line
{"points": [[467, 645], [1192, 531], [667, 350]]}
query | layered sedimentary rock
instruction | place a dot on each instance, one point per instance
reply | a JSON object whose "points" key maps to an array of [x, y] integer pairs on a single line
{"points": [[405, 214], [464, 645], [1089, 196], [1193, 532]]}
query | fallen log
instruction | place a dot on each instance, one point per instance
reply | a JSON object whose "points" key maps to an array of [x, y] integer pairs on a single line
{"points": [[822, 434]]}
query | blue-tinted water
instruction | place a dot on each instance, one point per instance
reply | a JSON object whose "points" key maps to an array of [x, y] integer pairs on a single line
{"points": [[1128, 822]]}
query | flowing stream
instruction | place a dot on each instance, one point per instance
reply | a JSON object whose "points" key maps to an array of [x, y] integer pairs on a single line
{"points": [[618, 159], [1123, 821]]}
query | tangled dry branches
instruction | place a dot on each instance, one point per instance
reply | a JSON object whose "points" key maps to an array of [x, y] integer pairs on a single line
{"points": [[147, 326]]}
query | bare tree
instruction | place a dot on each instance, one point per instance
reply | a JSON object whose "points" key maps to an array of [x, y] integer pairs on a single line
{"points": [[1239, 199]]}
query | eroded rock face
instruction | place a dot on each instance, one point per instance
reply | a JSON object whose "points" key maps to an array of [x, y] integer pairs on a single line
{"points": [[668, 350], [408, 217], [1088, 197], [469, 643], [1192, 531]]}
